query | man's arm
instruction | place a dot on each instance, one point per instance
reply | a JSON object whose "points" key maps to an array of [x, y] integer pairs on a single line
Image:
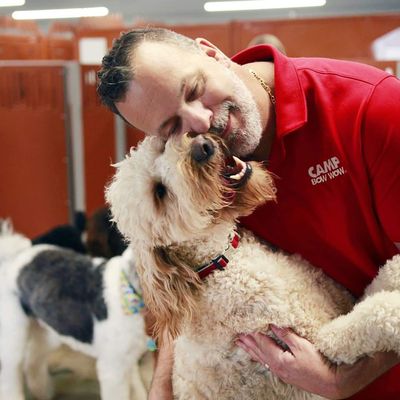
{"points": [[161, 385], [303, 366]]}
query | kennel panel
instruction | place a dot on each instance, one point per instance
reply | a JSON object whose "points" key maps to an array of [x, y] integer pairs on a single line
{"points": [[133, 137], [110, 34], [218, 34], [338, 37], [99, 140], [57, 47], [21, 47], [33, 150]]}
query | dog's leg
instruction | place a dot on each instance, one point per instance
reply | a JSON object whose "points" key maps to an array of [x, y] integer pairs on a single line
{"points": [[388, 278], [373, 325], [13, 338], [38, 379], [138, 388], [113, 377]]}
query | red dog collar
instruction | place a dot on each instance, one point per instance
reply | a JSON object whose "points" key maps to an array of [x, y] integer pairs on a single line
{"points": [[221, 261]]}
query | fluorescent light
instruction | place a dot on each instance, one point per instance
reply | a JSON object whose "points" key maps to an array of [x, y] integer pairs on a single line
{"points": [[11, 3], [61, 13], [215, 6]]}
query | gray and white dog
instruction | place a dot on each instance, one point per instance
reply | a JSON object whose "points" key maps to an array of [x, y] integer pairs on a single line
{"points": [[51, 296]]}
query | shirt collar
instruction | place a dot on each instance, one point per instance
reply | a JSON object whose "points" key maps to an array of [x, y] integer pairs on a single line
{"points": [[291, 109]]}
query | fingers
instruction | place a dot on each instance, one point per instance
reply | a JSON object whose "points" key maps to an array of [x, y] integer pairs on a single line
{"points": [[287, 336], [265, 350], [302, 366], [249, 348], [248, 344], [259, 346]]}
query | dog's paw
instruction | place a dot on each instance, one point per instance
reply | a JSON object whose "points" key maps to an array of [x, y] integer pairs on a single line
{"points": [[388, 278], [372, 326]]}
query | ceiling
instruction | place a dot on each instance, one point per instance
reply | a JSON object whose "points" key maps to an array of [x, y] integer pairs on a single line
{"points": [[192, 12]]}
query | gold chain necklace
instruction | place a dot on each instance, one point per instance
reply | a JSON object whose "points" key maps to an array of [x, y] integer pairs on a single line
{"points": [[265, 87]]}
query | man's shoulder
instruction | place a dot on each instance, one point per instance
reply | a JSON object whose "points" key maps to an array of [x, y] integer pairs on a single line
{"points": [[341, 69]]}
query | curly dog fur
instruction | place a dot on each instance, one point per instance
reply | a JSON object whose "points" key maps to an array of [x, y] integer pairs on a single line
{"points": [[177, 203]]}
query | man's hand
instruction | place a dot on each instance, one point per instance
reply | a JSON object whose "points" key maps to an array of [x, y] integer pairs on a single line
{"points": [[303, 366]]}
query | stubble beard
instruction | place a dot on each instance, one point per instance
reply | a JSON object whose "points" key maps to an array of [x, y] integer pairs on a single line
{"points": [[242, 140]]}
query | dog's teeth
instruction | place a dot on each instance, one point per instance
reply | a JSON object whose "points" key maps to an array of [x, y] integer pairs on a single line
{"points": [[238, 176], [242, 165], [238, 161]]}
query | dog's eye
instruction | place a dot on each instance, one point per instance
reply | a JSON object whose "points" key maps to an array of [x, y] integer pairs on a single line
{"points": [[160, 190]]}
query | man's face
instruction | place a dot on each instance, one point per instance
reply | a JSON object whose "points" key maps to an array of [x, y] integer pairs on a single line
{"points": [[176, 91]]}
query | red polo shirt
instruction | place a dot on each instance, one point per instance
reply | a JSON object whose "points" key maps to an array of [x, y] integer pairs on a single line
{"points": [[336, 157]]}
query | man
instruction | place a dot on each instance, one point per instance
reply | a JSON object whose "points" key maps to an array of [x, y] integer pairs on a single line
{"points": [[330, 132]]}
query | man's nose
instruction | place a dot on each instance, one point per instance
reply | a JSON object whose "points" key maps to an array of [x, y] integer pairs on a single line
{"points": [[198, 118]]}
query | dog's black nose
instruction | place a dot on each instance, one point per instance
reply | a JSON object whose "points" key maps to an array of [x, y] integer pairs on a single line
{"points": [[202, 149]]}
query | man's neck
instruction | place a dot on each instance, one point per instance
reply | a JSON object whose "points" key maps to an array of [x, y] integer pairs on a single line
{"points": [[264, 70], [263, 150]]}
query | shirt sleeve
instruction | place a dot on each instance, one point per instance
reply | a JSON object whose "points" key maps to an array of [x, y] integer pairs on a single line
{"points": [[381, 147]]}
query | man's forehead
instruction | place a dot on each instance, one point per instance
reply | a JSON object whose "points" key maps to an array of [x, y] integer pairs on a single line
{"points": [[152, 56], [147, 51]]}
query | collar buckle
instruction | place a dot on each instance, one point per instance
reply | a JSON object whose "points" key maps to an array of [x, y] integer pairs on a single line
{"points": [[222, 260]]}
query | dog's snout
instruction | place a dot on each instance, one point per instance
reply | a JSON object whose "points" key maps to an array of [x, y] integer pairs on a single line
{"points": [[202, 149]]}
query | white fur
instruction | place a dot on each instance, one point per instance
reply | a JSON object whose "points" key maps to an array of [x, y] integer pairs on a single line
{"points": [[11, 243], [25, 344], [373, 324], [187, 228]]}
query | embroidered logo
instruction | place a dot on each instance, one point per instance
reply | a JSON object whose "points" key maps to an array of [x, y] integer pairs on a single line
{"points": [[325, 171]]}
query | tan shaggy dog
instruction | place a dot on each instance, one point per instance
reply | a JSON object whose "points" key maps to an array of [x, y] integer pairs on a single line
{"points": [[177, 203]]}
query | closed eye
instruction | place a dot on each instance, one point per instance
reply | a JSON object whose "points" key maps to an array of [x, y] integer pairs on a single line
{"points": [[197, 88], [175, 127], [193, 94]]}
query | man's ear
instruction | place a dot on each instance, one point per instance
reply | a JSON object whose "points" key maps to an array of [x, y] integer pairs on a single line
{"points": [[212, 51]]}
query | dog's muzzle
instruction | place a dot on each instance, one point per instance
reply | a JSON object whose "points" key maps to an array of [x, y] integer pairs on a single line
{"points": [[235, 172], [202, 149]]}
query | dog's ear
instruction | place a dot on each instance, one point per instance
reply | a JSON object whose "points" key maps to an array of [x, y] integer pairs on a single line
{"points": [[169, 287]]}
